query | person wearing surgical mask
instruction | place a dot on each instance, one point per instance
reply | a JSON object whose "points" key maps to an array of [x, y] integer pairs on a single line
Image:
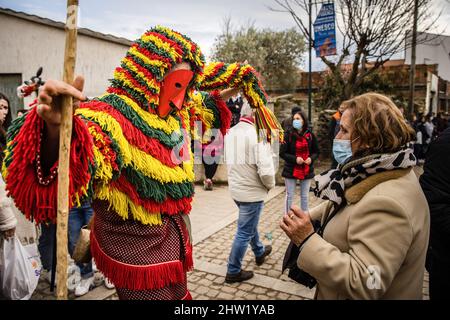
{"points": [[299, 151], [374, 218]]}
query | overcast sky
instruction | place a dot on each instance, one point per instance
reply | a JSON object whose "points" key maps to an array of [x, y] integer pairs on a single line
{"points": [[201, 20]]}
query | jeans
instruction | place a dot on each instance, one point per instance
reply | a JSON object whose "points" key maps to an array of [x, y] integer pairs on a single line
{"points": [[210, 169], [247, 232], [45, 245], [290, 191], [79, 217]]}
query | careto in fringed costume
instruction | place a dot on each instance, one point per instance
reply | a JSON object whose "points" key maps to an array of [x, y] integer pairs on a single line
{"points": [[122, 156]]}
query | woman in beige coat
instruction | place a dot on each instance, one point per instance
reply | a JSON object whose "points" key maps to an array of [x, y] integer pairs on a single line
{"points": [[375, 218]]}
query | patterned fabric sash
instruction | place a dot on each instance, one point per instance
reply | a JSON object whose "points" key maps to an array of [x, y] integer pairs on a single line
{"points": [[331, 184]]}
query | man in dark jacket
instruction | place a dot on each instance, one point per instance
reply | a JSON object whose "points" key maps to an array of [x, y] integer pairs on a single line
{"points": [[435, 183]]}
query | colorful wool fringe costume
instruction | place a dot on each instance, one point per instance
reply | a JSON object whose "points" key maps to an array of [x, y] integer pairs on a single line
{"points": [[122, 158]]}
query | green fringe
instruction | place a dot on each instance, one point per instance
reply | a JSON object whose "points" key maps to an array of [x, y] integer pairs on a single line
{"points": [[14, 127], [152, 189], [10, 157], [159, 76], [137, 96], [138, 122], [211, 105], [139, 79], [114, 146]]}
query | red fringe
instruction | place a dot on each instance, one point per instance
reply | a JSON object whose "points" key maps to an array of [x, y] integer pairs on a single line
{"points": [[152, 55], [172, 43], [188, 260], [187, 296], [147, 74], [32, 198], [136, 277], [225, 113], [104, 145], [135, 83], [134, 136]]}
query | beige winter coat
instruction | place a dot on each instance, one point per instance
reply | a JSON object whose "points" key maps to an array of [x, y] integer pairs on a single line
{"points": [[375, 247]]}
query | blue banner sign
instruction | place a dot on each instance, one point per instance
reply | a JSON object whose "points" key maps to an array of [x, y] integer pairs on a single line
{"points": [[325, 31]]}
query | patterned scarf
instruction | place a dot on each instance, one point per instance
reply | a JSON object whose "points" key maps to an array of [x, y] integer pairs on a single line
{"points": [[331, 184]]}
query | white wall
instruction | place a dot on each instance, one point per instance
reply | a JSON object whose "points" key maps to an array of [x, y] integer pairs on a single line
{"points": [[431, 102], [26, 45], [432, 49]]}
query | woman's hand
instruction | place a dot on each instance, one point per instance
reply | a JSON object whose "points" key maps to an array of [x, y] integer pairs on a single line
{"points": [[9, 233], [308, 161], [300, 160], [50, 102], [297, 225]]}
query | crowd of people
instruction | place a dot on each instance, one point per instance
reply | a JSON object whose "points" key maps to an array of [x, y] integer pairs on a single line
{"points": [[370, 238], [428, 128]]}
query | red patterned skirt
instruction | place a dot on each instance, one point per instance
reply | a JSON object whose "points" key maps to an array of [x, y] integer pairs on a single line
{"points": [[143, 262]]}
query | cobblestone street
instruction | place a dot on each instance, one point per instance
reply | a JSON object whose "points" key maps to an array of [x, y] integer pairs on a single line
{"points": [[213, 230]]}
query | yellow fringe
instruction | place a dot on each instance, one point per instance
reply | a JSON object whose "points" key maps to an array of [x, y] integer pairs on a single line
{"points": [[4, 169], [169, 125], [150, 82], [138, 159], [188, 166], [104, 169], [76, 197], [162, 45], [157, 63], [122, 204], [119, 75], [187, 44]]}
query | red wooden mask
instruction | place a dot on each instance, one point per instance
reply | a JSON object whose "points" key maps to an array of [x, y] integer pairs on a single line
{"points": [[173, 91]]}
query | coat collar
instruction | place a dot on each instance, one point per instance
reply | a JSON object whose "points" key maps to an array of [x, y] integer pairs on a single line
{"points": [[358, 191]]}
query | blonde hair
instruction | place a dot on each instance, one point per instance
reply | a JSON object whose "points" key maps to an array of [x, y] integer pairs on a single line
{"points": [[378, 123]]}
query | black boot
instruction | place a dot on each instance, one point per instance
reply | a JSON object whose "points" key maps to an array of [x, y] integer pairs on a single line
{"points": [[267, 251], [239, 277]]}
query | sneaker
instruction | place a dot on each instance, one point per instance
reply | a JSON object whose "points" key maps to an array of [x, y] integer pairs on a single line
{"points": [[73, 277], [94, 266], [99, 279], [267, 251], [109, 284], [208, 185], [84, 286], [238, 277]]}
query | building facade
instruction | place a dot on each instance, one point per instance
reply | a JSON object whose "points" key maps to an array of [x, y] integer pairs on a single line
{"points": [[30, 42]]}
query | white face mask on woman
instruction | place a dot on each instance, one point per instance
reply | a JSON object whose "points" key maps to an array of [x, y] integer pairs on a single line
{"points": [[297, 124], [342, 150]]}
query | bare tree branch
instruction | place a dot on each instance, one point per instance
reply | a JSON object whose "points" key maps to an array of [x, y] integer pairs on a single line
{"points": [[371, 29]]}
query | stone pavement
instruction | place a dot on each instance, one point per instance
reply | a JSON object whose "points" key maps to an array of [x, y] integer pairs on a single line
{"points": [[213, 220]]}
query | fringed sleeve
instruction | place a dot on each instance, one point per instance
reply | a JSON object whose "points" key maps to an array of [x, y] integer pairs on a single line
{"points": [[212, 112], [220, 76], [34, 194]]}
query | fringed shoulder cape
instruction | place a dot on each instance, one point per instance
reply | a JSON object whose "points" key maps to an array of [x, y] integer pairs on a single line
{"points": [[136, 167]]}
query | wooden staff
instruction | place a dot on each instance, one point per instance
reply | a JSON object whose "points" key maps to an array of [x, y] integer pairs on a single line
{"points": [[64, 151]]}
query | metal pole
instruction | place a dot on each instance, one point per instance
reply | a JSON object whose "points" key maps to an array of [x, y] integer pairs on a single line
{"points": [[310, 65], [412, 78]]}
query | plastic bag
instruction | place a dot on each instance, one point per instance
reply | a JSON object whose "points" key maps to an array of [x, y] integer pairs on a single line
{"points": [[20, 270]]}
